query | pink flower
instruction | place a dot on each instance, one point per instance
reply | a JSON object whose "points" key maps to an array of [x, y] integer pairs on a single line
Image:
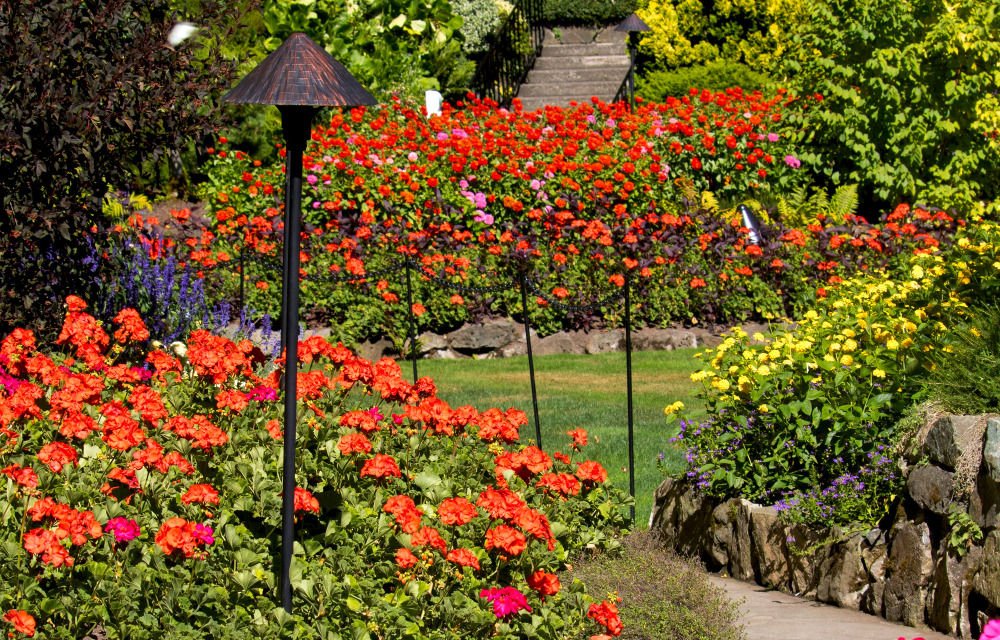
{"points": [[991, 631], [506, 601], [123, 530], [203, 534], [793, 162]]}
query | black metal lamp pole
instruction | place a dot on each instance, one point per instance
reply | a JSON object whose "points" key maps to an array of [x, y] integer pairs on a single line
{"points": [[298, 77], [632, 25]]}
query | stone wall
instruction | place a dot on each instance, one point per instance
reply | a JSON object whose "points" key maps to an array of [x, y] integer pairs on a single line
{"points": [[505, 338], [905, 570]]}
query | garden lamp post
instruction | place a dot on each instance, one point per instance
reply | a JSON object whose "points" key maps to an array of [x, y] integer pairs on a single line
{"points": [[633, 25], [299, 78]]}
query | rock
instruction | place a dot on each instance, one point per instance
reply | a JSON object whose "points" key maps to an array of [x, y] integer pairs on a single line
{"points": [[908, 572], [984, 503], [722, 536], [606, 341], [873, 594], [769, 548], [987, 580], [559, 342], [446, 354], [652, 340], [740, 550], [486, 336], [683, 516], [705, 338], [950, 437], [376, 350], [519, 348], [991, 449], [948, 611], [844, 576], [930, 487], [427, 342], [681, 339], [807, 555]]}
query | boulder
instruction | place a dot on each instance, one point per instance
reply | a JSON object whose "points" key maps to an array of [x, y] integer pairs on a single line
{"points": [[446, 354], [843, 576], [559, 342], [376, 350], [705, 338], [930, 487], [908, 572], [486, 336], [808, 553], [950, 438], [606, 341], [948, 610], [984, 503], [683, 515], [991, 449], [769, 548], [722, 536], [652, 340], [987, 580], [740, 550], [427, 342], [874, 559], [519, 348]]}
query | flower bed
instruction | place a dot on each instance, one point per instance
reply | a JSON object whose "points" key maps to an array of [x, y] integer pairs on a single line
{"points": [[808, 418], [141, 497]]}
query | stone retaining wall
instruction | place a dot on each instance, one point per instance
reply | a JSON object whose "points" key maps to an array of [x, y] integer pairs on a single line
{"points": [[905, 570], [505, 338]]}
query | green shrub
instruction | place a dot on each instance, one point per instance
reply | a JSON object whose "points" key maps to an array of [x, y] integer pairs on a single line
{"points": [[966, 377], [480, 18], [663, 595], [717, 75], [755, 32], [587, 12], [906, 98]]}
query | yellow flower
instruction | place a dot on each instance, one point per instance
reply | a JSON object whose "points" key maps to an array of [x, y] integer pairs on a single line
{"points": [[721, 384], [835, 346], [862, 324], [849, 333], [917, 272], [763, 408], [909, 327], [906, 343], [812, 315], [892, 344], [733, 369], [975, 332], [759, 337], [829, 358], [673, 408], [850, 345], [698, 376], [846, 360], [774, 354], [744, 384], [763, 370], [878, 373]]}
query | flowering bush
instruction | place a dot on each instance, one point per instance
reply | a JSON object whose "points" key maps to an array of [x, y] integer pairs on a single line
{"points": [[806, 417], [140, 494]]}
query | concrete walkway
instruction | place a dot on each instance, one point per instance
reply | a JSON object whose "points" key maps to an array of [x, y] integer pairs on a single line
{"points": [[772, 615]]}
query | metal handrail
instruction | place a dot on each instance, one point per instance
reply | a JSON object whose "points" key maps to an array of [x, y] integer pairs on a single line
{"points": [[512, 53]]}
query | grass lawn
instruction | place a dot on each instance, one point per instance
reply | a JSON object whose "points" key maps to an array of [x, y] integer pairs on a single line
{"points": [[584, 391]]}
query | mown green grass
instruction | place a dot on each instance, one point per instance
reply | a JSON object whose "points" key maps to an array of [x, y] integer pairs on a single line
{"points": [[585, 391]]}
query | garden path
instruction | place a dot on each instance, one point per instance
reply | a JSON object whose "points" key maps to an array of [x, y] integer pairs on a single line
{"points": [[772, 615]]}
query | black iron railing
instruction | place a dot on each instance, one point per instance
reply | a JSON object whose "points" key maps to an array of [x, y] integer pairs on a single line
{"points": [[626, 91], [512, 53]]}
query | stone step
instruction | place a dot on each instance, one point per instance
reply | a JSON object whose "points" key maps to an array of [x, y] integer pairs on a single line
{"points": [[583, 35], [546, 63], [533, 104], [584, 74], [591, 49], [581, 90]]}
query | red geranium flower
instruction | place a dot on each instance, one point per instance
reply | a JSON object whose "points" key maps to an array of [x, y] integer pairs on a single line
{"points": [[381, 466]]}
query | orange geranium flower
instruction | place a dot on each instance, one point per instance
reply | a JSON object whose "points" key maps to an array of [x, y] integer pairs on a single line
{"points": [[352, 443], [457, 511], [305, 501], [23, 622], [405, 558], [463, 557], [500, 503], [56, 454], [507, 538], [203, 493], [591, 471], [381, 466], [132, 327], [428, 536], [546, 584]]}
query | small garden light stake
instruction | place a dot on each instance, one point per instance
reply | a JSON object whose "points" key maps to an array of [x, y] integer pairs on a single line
{"points": [[298, 77], [633, 25]]}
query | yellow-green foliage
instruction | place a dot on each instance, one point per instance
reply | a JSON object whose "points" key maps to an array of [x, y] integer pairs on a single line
{"points": [[755, 32]]}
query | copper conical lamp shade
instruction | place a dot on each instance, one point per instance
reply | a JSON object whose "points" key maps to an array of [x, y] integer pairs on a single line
{"points": [[633, 23], [300, 73]]}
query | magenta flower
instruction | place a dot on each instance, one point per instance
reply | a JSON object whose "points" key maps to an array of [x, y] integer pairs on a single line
{"points": [[991, 631], [376, 413], [203, 534], [506, 601], [262, 393], [123, 530], [793, 162]]}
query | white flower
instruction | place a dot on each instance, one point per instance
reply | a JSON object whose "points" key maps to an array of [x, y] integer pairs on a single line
{"points": [[181, 32]]}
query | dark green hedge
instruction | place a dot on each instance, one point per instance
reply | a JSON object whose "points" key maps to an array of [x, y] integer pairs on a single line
{"points": [[587, 12], [716, 76]]}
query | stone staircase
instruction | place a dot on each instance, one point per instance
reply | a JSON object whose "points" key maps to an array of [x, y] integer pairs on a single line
{"points": [[580, 64]]}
